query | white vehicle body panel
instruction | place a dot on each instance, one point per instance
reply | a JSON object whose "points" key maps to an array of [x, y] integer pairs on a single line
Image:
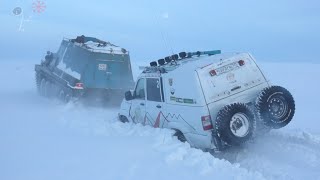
{"points": [[235, 78], [189, 92]]}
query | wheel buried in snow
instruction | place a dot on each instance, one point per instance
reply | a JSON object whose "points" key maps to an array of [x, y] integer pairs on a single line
{"points": [[64, 97], [275, 106], [67, 98], [38, 81], [61, 95], [235, 124], [42, 88], [48, 89]]}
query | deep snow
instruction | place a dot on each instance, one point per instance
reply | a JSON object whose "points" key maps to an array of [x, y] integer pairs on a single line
{"points": [[44, 139]]}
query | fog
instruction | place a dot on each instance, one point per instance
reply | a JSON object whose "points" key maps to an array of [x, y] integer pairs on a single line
{"points": [[43, 138], [272, 30]]}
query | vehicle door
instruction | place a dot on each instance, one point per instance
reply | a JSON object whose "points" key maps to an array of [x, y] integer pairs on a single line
{"points": [[138, 106], [155, 103]]}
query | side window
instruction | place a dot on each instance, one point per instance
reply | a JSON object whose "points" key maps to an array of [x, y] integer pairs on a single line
{"points": [[139, 93], [153, 89]]}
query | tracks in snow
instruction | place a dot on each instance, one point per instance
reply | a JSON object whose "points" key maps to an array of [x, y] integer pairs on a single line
{"points": [[276, 155]]}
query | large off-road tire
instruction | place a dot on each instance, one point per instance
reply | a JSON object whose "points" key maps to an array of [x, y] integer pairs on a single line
{"points": [[64, 96], [235, 124], [275, 107], [55, 90], [48, 89], [61, 95], [38, 81], [42, 87], [67, 98]]}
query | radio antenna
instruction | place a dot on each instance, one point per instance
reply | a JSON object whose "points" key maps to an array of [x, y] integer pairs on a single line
{"points": [[164, 36]]}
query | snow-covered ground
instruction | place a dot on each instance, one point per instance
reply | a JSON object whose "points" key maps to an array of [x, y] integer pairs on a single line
{"points": [[44, 139]]}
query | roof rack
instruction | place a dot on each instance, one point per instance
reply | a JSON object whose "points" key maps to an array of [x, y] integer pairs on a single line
{"points": [[182, 55], [96, 45]]}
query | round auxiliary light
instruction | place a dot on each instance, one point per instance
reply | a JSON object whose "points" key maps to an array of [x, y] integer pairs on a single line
{"points": [[175, 57], [153, 64], [168, 59], [183, 55], [161, 62]]}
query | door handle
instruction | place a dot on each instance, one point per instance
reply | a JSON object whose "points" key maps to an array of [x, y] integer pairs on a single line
{"points": [[158, 106], [142, 104]]}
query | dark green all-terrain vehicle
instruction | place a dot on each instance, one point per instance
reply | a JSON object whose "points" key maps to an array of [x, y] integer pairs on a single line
{"points": [[85, 68]]}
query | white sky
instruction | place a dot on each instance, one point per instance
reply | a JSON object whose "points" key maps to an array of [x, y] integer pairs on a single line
{"points": [[286, 30]]}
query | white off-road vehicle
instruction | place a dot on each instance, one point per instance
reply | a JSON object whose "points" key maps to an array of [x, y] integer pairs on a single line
{"points": [[211, 100]]}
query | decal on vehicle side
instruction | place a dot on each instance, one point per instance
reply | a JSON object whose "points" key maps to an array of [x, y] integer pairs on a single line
{"points": [[172, 91], [183, 100], [102, 67], [157, 123]]}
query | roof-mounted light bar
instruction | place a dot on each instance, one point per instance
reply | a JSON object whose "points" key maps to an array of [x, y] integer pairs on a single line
{"points": [[182, 55]]}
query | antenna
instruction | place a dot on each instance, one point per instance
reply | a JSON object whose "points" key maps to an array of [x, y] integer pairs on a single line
{"points": [[164, 39]]}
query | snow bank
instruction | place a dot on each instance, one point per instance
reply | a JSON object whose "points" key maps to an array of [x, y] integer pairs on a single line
{"points": [[43, 139]]}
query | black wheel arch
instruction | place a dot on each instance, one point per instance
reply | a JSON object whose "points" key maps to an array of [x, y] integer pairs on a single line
{"points": [[179, 134], [123, 119]]}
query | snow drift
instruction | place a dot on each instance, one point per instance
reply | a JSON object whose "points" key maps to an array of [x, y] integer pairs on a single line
{"points": [[43, 139]]}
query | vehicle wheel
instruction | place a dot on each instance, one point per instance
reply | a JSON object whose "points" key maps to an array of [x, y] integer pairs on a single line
{"points": [[64, 97], [180, 136], [55, 90], [235, 124], [61, 95], [275, 107], [123, 119], [67, 98], [48, 89], [38, 81], [42, 87]]}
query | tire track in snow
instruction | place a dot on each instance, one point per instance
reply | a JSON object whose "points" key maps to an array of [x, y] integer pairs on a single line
{"points": [[175, 155], [276, 155], [280, 155]]}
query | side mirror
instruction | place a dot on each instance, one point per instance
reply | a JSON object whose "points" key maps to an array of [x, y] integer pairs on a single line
{"points": [[128, 96]]}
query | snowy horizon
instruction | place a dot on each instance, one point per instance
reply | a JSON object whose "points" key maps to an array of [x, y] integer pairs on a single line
{"points": [[285, 31], [44, 139], [41, 138]]}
